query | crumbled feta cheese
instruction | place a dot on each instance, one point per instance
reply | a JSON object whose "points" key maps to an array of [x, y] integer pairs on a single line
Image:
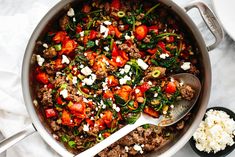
{"points": [[107, 23], [65, 59], [86, 71], [164, 56], [92, 118], [142, 64], [104, 85], [118, 42], [124, 80], [45, 45], [64, 93], [150, 83], [89, 81], [127, 37], [126, 148], [117, 109], [85, 100], [118, 60], [74, 19], [104, 106], [138, 148], [186, 66], [164, 112], [215, 133], [71, 12], [75, 80], [137, 91], [40, 60], [106, 48], [127, 68], [172, 106], [86, 127], [35, 102], [155, 95], [103, 29], [97, 42], [82, 34]]}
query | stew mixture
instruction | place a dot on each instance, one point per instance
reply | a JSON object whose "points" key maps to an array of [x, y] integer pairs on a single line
{"points": [[104, 63]]}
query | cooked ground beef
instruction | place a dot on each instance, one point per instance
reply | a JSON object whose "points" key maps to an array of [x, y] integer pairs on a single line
{"points": [[50, 52], [45, 95], [64, 21], [187, 92]]}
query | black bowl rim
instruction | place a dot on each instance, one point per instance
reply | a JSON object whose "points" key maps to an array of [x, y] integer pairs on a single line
{"points": [[221, 153]]}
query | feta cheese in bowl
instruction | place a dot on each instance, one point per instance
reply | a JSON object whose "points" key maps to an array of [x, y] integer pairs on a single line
{"points": [[216, 133]]}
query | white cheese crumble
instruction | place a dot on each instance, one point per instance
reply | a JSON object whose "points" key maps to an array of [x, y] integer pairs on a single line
{"points": [[118, 60], [71, 12], [45, 45], [124, 80], [127, 68], [186, 66], [106, 48], [75, 80], [82, 34], [137, 91], [86, 71], [89, 81], [64, 93], [104, 30], [118, 42], [74, 19], [65, 59], [97, 42], [155, 95], [215, 132], [138, 148], [85, 127], [164, 55], [126, 149], [127, 37], [40, 60], [107, 23], [142, 64]]}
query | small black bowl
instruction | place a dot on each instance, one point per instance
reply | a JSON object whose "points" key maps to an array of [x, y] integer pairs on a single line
{"points": [[221, 153]]}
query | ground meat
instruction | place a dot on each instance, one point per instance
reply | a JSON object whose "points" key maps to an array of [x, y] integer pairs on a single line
{"points": [[187, 92], [59, 81], [45, 94], [117, 151], [55, 126], [64, 21], [151, 70], [147, 39], [50, 52], [107, 7], [193, 70], [100, 74], [49, 68], [140, 16], [132, 50]]}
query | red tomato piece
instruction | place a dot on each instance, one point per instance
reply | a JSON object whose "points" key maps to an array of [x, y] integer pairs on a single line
{"points": [[144, 87], [106, 134], [153, 29], [50, 113], [150, 111], [66, 119], [68, 46], [77, 121], [93, 34], [116, 4], [77, 107], [60, 36], [141, 32], [124, 55], [108, 95], [120, 62], [58, 64], [152, 51], [107, 117], [100, 124], [90, 122], [86, 8], [170, 39], [115, 50], [78, 28], [161, 45], [59, 100], [42, 78], [112, 81], [170, 88]]}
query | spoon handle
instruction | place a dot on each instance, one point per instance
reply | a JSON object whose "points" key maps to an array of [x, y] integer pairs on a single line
{"points": [[110, 140]]}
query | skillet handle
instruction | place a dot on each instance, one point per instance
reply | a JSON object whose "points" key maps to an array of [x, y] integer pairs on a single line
{"points": [[211, 21], [8, 142]]}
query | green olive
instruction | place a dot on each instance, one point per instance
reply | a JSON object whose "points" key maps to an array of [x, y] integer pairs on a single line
{"points": [[121, 14]]}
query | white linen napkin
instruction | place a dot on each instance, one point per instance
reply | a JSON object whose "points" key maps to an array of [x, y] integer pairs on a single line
{"points": [[17, 21]]}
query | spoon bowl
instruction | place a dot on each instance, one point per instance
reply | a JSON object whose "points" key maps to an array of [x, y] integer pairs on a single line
{"points": [[182, 107]]}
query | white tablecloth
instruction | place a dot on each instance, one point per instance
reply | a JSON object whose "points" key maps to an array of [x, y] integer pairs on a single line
{"points": [[17, 21]]}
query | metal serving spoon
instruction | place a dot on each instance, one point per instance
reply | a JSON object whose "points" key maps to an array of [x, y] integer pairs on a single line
{"points": [[181, 108]]}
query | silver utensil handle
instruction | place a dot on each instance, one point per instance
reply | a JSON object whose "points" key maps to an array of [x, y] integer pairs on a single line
{"points": [[211, 21], [8, 142]]}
